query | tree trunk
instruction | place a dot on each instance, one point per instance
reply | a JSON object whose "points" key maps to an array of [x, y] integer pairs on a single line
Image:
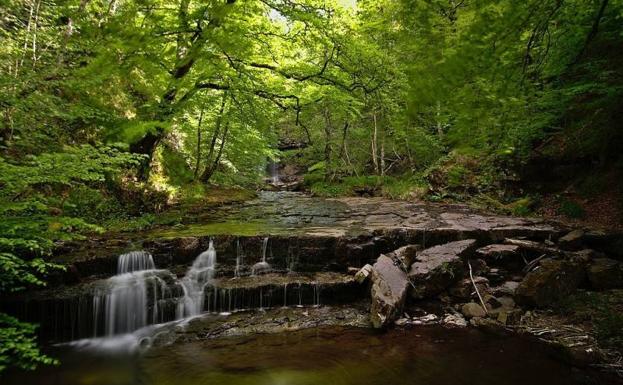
{"points": [[207, 174], [373, 144], [327, 146], [198, 162]]}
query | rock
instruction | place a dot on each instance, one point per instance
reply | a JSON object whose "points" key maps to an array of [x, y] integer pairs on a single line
{"points": [[455, 320], [363, 274], [506, 302], [550, 282], [438, 267], [479, 266], [572, 241], [507, 288], [509, 316], [472, 309], [609, 243], [605, 273], [464, 289], [261, 268], [497, 252], [188, 246], [406, 255], [428, 319], [389, 291]]}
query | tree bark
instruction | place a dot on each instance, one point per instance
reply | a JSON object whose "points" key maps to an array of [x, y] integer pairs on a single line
{"points": [[198, 162]]}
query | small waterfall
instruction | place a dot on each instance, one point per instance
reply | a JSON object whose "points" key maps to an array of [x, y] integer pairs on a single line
{"points": [[123, 304], [197, 277], [263, 266], [273, 168], [135, 261], [239, 259]]}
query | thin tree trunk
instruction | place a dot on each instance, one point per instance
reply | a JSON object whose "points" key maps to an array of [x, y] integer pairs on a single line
{"points": [[327, 147], [211, 169], [198, 162], [207, 173], [374, 138], [591, 35], [34, 35]]}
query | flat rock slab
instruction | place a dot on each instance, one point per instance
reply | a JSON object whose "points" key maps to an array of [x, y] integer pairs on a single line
{"points": [[389, 292], [436, 268], [497, 251]]}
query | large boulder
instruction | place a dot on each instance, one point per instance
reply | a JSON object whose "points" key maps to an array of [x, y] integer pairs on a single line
{"points": [[605, 273], [389, 291], [553, 280], [437, 268]]}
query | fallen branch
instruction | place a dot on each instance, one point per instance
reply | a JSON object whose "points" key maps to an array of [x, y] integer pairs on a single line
{"points": [[471, 277]]}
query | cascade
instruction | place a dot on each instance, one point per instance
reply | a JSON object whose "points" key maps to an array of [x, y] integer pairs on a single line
{"points": [[123, 303], [194, 282]]}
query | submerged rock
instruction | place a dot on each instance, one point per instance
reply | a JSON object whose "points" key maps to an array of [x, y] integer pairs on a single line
{"points": [[605, 273], [389, 291], [550, 282], [439, 267]]}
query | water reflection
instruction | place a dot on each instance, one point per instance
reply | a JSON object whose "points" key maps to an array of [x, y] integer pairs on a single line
{"points": [[332, 356]]}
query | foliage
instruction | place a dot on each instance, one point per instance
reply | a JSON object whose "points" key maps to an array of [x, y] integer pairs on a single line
{"points": [[113, 110], [45, 198]]}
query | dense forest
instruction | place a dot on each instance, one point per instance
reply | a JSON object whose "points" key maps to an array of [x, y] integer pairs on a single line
{"points": [[114, 112]]}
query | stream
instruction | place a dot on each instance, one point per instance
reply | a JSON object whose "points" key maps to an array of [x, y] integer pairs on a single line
{"points": [[342, 356], [266, 299]]}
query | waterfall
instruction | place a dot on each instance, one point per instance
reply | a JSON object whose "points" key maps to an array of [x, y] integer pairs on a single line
{"points": [[264, 247], [123, 304], [262, 266], [274, 172], [239, 258], [135, 261], [197, 277]]}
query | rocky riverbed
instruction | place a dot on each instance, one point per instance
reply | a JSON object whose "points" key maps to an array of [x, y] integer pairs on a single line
{"points": [[378, 263]]}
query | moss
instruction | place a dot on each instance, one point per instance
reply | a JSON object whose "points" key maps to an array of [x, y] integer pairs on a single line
{"points": [[571, 209]]}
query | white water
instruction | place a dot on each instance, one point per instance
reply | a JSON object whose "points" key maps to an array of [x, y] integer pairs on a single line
{"points": [[274, 172], [132, 299], [123, 301], [135, 261], [239, 258], [194, 282], [262, 266]]}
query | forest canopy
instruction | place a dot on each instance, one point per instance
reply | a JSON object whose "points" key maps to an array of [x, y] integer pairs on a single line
{"points": [[113, 110]]}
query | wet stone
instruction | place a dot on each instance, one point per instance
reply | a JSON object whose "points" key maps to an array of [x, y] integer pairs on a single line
{"points": [[436, 268], [389, 291]]}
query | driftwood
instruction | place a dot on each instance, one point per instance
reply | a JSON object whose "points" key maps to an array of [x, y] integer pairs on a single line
{"points": [[471, 277]]}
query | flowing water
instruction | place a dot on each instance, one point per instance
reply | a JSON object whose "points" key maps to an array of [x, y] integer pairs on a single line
{"points": [[262, 266], [332, 356], [123, 306], [194, 282]]}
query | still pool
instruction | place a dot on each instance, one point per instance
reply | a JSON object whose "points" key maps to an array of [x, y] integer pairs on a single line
{"points": [[332, 356]]}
